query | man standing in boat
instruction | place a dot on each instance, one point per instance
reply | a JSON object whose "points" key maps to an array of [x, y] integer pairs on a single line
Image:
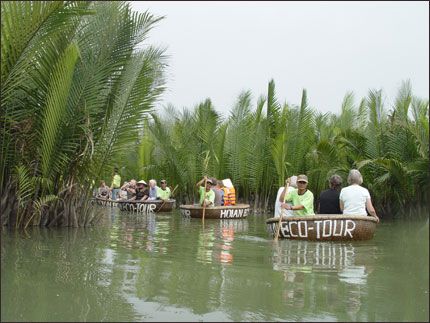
{"points": [[207, 196], [116, 184], [302, 199]]}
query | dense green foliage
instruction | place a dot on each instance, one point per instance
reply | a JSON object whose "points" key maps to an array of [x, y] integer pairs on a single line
{"points": [[76, 85], [76, 89], [258, 146]]}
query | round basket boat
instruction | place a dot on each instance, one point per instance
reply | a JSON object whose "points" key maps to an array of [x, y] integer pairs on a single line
{"points": [[154, 206], [237, 211], [103, 202], [324, 227]]}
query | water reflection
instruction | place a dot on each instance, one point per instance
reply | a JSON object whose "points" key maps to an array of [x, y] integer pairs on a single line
{"points": [[215, 243], [327, 266], [141, 231], [308, 256], [151, 267]]}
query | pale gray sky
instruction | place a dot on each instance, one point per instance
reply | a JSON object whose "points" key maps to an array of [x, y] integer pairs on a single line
{"points": [[218, 49]]}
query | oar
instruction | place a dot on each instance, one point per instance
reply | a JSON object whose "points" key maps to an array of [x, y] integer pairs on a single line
{"points": [[204, 202], [279, 227], [171, 193]]}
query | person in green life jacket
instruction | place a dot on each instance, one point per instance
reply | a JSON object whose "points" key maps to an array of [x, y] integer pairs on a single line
{"points": [[163, 192], [207, 195], [302, 199], [116, 184]]}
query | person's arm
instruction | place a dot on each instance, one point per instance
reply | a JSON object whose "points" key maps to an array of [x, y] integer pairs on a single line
{"points": [[201, 182], [297, 207], [308, 204], [145, 195], [371, 209], [341, 205]]}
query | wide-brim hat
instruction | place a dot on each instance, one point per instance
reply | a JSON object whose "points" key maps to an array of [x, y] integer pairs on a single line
{"points": [[142, 182], [209, 181]]}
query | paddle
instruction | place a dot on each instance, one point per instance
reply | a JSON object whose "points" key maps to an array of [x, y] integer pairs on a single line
{"points": [[204, 201], [205, 167], [171, 193], [279, 227]]}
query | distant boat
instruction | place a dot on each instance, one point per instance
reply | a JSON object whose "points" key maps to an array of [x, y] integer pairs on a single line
{"points": [[151, 206], [324, 227], [237, 211]]}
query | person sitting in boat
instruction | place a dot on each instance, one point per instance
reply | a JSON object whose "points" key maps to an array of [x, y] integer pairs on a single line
{"points": [[142, 192], [130, 188], [103, 191], [302, 199], [278, 210], [163, 192], [207, 196], [122, 195], [329, 199], [355, 199], [153, 188], [219, 192], [229, 192]]}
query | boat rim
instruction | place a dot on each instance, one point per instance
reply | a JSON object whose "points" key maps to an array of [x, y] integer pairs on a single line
{"points": [[197, 207], [323, 217]]}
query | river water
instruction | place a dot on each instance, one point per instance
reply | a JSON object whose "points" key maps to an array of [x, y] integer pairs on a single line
{"points": [[167, 268]]}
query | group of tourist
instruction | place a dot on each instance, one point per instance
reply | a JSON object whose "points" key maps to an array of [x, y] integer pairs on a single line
{"points": [[133, 190], [216, 192], [293, 199], [354, 199]]}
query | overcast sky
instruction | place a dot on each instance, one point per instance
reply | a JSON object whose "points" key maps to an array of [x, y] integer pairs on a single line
{"points": [[218, 49]]}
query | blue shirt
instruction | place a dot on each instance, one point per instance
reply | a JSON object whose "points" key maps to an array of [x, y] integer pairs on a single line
{"points": [[153, 192]]}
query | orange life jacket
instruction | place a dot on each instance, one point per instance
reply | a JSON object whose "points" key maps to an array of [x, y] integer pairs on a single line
{"points": [[229, 196]]}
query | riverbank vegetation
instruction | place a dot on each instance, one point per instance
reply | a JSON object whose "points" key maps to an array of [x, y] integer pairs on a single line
{"points": [[77, 79], [262, 142]]}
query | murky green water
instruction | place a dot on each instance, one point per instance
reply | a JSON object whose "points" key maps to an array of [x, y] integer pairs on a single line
{"points": [[165, 268]]}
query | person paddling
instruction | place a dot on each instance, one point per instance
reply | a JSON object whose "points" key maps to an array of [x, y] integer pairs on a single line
{"points": [[207, 196], [302, 199]]}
